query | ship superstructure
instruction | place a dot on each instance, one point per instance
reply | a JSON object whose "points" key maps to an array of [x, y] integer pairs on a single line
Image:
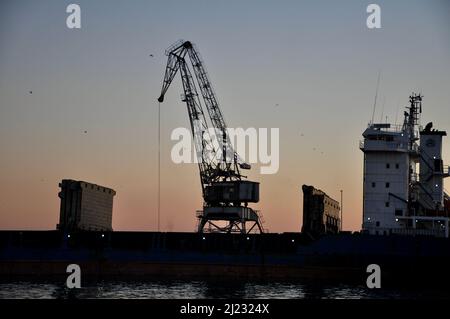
{"points": [[403, 177]]}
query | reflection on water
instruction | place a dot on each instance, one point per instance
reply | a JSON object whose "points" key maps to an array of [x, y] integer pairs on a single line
{"points": [[199, 289]]}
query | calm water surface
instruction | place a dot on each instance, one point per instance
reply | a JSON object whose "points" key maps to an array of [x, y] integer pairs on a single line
{"points": [[199, 289]]}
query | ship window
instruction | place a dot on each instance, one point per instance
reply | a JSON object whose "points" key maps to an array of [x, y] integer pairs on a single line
{"points": [[374, 184], [438, 165], [387, 204], [398, 212], [387, 185], [388, 165], [378, 224], [397, 166]]}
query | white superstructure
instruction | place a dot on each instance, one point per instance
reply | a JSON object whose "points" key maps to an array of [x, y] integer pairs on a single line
{"points": [[403, 181]]}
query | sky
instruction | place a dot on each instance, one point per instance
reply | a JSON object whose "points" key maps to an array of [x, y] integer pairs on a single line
{"points": [[308, 68]]}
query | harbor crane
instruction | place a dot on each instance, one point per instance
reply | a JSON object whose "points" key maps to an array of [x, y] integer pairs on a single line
{"points": [[225, 191]]}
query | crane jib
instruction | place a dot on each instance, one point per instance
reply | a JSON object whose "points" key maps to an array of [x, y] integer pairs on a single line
{"points": [[225, 193]]}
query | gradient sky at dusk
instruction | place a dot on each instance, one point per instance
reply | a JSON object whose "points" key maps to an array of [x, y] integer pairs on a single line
{"points": [[315, 59]]}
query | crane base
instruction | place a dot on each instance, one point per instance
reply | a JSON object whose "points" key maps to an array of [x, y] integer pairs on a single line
{"points": [[240, 219]]}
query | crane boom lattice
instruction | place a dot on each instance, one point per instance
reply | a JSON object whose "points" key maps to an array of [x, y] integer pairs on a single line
{"points": [[225, 192]]}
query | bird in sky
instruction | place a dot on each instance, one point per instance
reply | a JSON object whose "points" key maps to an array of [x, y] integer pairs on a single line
{"points": [[151, 55], [31, 92]]}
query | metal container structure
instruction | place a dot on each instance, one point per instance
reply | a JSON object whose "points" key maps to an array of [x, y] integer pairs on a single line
{"points": [[233, 191], [85, 206]]}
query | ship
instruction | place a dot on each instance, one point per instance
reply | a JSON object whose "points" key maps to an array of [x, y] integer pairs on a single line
{"points": [[407, 238], [343, 258], [404, 229]]}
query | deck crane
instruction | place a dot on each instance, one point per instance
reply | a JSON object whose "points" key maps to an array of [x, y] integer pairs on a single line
{"points": [[225, 192]]}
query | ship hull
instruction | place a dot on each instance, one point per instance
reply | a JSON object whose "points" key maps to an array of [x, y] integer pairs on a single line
{"points": [[288, 256]]}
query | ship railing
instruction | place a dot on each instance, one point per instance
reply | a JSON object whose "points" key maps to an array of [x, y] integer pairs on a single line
{"points": [[386, 127], [384, 145], [419, 232]]}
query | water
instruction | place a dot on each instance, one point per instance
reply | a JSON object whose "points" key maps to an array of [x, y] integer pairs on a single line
{"points": [[200, 289]]}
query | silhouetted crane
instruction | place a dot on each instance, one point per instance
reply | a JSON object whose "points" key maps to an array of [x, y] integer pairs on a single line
{"points": [[225, 193]]}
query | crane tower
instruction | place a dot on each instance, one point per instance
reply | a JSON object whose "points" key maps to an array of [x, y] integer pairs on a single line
{"points": [[225, 192]]}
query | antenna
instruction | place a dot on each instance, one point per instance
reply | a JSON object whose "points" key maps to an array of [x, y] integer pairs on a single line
{"points": [[376, 95], [396, 113], [382, 109], [342, 209], [159, 166]]}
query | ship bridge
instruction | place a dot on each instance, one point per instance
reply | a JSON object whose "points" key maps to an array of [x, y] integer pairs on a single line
{"points": [[403, 182], [387, 137]]}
